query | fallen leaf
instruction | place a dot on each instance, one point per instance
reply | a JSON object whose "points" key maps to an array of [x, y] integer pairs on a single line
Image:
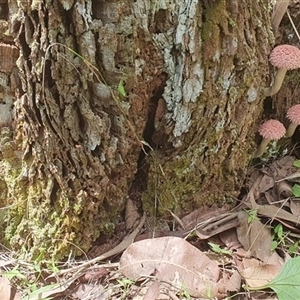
{"points": [[295, 207], [234, 282], [265, 183], [282, 168], [287, 283], [249, 262], [90, 291], [284, 190], [260, 275], [153, 291], [254, 236], [202, 214], [229, 238], [277, 213], [174, 260], [270, 197], [5, 288]]}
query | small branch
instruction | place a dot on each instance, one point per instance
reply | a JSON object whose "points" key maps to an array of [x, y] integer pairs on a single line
{"points": [[294, 27]]}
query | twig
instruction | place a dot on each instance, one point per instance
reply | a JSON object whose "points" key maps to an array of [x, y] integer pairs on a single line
{"points": [[294, 27]]}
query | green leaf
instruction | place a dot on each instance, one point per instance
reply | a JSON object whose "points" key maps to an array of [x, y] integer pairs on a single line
{"points": [[297, 163], [121, 88], [252, 215], [296, 190], [274, 245], [279, 230], [14, 273], [287, 283], [293, 248], [216, 248]]}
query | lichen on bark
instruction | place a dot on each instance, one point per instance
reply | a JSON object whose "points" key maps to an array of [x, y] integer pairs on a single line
{"points": [[78, 152], [192, 73], [224, 47]]}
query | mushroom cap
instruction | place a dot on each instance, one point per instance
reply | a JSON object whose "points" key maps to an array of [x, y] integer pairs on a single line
{"points": [[285, 57], [272, 130], [293, 114]]}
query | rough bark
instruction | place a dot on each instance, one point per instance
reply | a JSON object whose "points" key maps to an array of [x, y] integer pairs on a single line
{"points": [[214, 103], [193, 72]]}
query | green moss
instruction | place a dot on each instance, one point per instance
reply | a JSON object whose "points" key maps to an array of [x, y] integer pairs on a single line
{"points": [[61, 223], [168, 181], [216, 17], [210, 31]]}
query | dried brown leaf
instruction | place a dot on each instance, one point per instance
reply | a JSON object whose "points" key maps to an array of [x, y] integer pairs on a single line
{"points": [[265, 183], [274, 212], [284, 190], [282, 168], [203, 214], [270, 198], [260, 275], [249, 262], [234, 282], [5, 288], [153, 291], [229, 238], [254, 236], [295, 207], [174, 260], [90, 291]]}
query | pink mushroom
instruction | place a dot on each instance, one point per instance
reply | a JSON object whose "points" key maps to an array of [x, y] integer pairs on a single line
{"points": [[284, 57], [270, 130], [293, 115]]}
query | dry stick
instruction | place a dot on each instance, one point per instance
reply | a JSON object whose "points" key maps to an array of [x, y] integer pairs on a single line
{"points": [[294, 27], [278, 13], [117, 250]]}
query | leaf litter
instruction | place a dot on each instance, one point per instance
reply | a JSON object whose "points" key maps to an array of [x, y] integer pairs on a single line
{"points": [[180, 264]]}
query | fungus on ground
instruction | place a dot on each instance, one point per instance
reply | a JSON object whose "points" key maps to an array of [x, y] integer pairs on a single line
{"points": [[270, 130], [293, 115], [284, 57]]}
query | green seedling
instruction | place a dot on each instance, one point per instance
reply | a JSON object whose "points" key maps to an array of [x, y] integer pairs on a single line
{"points": [[278, 238], [125, 285], [184, 294], [252, 215], [297, 163], [296, 190], [293, 248], [216, 248]]}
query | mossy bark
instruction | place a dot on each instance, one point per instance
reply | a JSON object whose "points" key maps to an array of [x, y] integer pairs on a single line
{"points": [[224, 48], [193, 72]]}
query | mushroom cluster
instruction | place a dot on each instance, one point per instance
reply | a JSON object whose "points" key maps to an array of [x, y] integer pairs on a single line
{"points": [[283, 57], [293, 115], [274, 130], [270, 130]]}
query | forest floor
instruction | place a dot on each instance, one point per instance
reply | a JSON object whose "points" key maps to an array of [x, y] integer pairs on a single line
{"points": [[249, 252]]}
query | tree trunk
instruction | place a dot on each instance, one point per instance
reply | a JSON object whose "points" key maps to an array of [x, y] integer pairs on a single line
{"points": [[193, 73]]}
